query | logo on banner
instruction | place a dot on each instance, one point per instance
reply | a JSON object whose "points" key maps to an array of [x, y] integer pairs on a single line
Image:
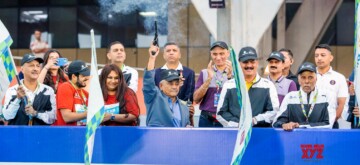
{"points": [[310, 151]]}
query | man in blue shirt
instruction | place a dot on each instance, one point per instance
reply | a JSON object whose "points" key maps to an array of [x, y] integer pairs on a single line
{"points": [[164, 108]]}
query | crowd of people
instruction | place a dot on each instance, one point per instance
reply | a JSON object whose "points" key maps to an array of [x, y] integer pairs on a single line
{"points": [[52, 94]]}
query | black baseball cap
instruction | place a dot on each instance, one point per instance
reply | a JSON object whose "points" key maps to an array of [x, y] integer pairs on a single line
{"points": [[247, 53], [170, 75], [307, 66], [30, 57], [221, 44], [80, 67], [276, 55], [323, 46]]}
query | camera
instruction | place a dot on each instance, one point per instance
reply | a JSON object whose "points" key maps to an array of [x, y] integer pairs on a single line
{"points": [[62, 61]]}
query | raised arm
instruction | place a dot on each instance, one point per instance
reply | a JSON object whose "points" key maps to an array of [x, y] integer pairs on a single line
{"points": [[201, 91], [149, 87]]}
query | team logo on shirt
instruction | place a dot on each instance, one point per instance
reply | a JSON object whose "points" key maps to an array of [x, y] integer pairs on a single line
{"points": [[77, 96], [332, 82]]}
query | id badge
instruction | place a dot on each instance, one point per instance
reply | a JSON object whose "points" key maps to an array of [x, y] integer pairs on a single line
{"points": [[80, 109], [112, 108], [216, 99]]}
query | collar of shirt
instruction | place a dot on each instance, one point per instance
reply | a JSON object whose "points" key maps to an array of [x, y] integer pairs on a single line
{"points": [[249, 84], [328, 72], [278, 80], [29, 93], [217, 70], [179, 67], [124, 68], [171, 103], [175, 109], [305, 95]]}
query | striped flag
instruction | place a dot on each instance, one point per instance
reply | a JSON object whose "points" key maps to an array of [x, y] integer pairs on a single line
{"points": [[357, 55], [7, 69], [95, 112], [245, 122]]}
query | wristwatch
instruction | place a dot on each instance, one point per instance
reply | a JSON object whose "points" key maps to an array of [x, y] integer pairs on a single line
{"points": [[112, 118], [126, 115]]}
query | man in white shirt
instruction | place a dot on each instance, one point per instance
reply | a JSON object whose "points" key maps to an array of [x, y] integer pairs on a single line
{"points": [[172, 57], [38, 47], [31, 103], [332, 81], [117, 55]]}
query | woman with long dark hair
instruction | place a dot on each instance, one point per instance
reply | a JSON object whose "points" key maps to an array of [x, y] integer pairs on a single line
{"points": [[121, 105], [51, 74]]}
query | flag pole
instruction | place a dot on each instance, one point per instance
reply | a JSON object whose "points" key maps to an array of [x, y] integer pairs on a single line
{"points": [[26, 99], [356, 59]]}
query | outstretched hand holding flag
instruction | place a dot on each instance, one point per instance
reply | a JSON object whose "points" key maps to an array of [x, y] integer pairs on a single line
{"points": [[95, 112]]}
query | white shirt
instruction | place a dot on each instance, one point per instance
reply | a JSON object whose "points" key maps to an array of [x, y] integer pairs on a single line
{"points": [[38, 45], [179, 67], [335, 84]]}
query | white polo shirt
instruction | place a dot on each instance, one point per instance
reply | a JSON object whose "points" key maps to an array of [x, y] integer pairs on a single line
{"points": [[334, 83]]}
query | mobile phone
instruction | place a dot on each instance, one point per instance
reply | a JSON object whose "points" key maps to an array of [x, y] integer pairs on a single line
{"points": [[62, 61]]}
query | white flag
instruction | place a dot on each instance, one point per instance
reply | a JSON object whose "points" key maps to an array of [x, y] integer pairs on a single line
{"points": [[95, 110]]}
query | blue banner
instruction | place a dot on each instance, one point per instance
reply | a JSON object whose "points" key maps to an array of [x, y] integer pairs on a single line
{"points": [[140, 145]]}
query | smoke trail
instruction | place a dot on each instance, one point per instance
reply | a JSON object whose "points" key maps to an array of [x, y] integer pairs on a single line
{"points": [[110, 8]]}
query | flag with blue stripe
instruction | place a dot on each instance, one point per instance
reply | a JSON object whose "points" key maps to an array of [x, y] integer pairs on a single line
{"points": [[5, 54], [7, 69], [96, 110], [245, 122]]}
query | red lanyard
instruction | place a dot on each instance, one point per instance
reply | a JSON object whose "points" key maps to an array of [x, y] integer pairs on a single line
{"points": [[82, 96]]}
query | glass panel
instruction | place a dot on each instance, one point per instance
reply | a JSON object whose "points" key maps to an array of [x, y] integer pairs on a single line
{"points": [[31, 19], [88, 19], [33, 3], [63, 2], [9, 17], [123, 28], [7, 3], [63, 19]]}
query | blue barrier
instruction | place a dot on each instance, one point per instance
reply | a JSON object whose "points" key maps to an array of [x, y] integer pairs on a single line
{"points": [[141, 145]]}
